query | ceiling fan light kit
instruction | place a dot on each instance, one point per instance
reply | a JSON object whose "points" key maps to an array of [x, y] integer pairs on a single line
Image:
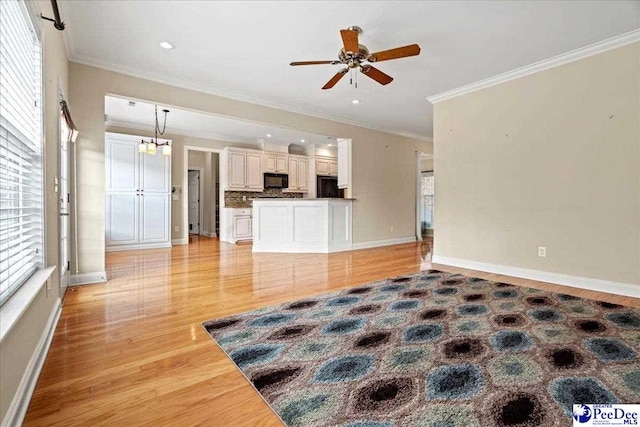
{"points": [[355, 56]]}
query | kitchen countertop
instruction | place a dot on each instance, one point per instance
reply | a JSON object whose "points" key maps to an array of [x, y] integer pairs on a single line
{"points": [[271, 199]]}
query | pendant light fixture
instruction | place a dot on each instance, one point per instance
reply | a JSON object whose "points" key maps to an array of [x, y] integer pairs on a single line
{"points": [[150, 147]]}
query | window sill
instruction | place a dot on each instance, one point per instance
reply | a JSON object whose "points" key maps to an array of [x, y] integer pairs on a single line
{"points": [[19, 302]]}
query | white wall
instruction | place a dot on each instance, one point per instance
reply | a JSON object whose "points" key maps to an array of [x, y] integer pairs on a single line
{"points": [[551, 159]]}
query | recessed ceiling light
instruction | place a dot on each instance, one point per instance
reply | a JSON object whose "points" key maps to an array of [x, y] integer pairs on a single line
{"points": [[132, 103], [330, 145], [303, 140], [355, 101], [166, 45], [268, 135]]}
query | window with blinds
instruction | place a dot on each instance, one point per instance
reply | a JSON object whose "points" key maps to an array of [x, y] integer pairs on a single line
{"points": [[21, 196]]}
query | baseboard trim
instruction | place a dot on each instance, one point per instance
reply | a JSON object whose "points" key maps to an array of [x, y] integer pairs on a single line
{"points": [[88, 278], [209, 234], [180, 242], [618, 288], [20, 403], [117, 248], [379, 243]]}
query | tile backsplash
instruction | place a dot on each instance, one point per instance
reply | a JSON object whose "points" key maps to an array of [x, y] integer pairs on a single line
{"points": [[234, 199]]}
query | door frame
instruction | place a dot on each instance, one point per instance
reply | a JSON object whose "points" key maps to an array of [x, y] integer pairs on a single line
{"points": [[184, 240], [64, 271], [419, 157], [200, 171]]}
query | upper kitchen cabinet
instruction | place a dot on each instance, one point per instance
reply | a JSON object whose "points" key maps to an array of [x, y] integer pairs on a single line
{"points": [[244, 170], [298, 174], [344, 163], [276, 163], [326, 166]]}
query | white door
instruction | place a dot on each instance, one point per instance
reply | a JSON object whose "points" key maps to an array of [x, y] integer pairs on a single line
{"points": [[237, 170], [122, 218], [194, 202], [122, 165], [155, 173], [281, 164], [64, 198], [154, 217], [254, 171], [322, 167]]}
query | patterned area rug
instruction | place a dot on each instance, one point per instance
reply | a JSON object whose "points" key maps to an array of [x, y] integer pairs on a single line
{"points": [[435, 349]]}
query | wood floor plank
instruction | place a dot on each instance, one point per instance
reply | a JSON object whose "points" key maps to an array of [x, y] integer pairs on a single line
{"points": [[132, 351]]}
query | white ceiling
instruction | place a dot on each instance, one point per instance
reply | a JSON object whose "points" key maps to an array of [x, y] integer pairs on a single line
{"points": [[183, 122], [242, 49]]}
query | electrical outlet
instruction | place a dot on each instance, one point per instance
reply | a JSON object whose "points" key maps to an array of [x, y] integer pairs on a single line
{"points": [[542, 251], [244, 198], [176, 229], [391, 229]]}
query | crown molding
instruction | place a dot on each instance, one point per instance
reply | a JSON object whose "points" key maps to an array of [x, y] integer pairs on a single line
{"points": [[200, 87], [555, 61], [181, 132]]}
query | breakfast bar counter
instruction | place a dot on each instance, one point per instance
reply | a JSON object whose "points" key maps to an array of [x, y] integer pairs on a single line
{"points": [[302, 225]]}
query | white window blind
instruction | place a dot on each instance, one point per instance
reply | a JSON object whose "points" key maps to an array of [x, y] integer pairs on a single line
{"points": [[21, 197]]}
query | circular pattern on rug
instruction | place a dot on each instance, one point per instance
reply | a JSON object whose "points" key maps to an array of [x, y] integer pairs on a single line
{"points": [[567, 391], [392, 288], [272, 379], [291, 332], [538, 301], [463, 348], [507, 293], [452, 282], [271, 320], [445, 291], [444, 415], [342, 301], [455, 382], [255, 354], [474, 297], [610, 349], [343, 326], [384, 395], [589, 326], [404, 305], [358, 291], [301, 305], [344, 369], [545, 315], [311, 350], [416, 293], [510, 341], [563, 358], [431, 314], [514, 370], [469, 326], [372, 340], [625, 320], [410, 360], [517, 409], [303, 409], [365, 309], [471, 309], [609, 305], [509, 320], [422, 333]]}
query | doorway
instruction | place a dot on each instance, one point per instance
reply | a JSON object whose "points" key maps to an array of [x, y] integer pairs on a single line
{"points": [[64, 203], [194, 194]]}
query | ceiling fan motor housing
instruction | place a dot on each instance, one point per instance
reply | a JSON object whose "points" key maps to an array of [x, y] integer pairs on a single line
{"points": [[353, 60]]}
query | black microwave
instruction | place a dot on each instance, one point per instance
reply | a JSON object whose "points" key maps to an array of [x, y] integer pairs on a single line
{"points": [[276, 180]]}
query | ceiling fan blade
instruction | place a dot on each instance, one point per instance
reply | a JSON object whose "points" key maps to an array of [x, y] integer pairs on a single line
{"points": [[335, 79], [399, 52], [350, 40], [311, 63], [375, 74]]}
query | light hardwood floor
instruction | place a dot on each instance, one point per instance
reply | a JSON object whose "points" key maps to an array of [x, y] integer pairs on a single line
{"points": [[133, 352]]}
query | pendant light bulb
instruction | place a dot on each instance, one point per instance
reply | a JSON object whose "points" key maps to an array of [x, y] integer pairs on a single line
{"points": [[151, 148], [166, 150], [142, 147]]}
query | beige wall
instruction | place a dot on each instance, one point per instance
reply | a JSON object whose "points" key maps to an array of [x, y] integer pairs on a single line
{"points": [[383, 172], [426, 165], [19, 344], [551, 159]]}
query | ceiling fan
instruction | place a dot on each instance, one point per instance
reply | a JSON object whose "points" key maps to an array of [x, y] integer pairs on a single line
{"points": [[355, 56]]}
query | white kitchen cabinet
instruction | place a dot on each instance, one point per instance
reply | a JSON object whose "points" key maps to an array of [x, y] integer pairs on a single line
{"points": [[344, 163], [326, 166], [242, 224], [298, 174], [138, 201], [276, 163], [244, 170]]}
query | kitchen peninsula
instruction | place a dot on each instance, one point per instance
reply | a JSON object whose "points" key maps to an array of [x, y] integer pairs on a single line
{"points": [[302, 225]]}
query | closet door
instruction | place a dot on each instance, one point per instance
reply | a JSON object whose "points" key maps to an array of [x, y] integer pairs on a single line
{"points": [[155, 172], [154, 217], [122, 165], [122, 218]]}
